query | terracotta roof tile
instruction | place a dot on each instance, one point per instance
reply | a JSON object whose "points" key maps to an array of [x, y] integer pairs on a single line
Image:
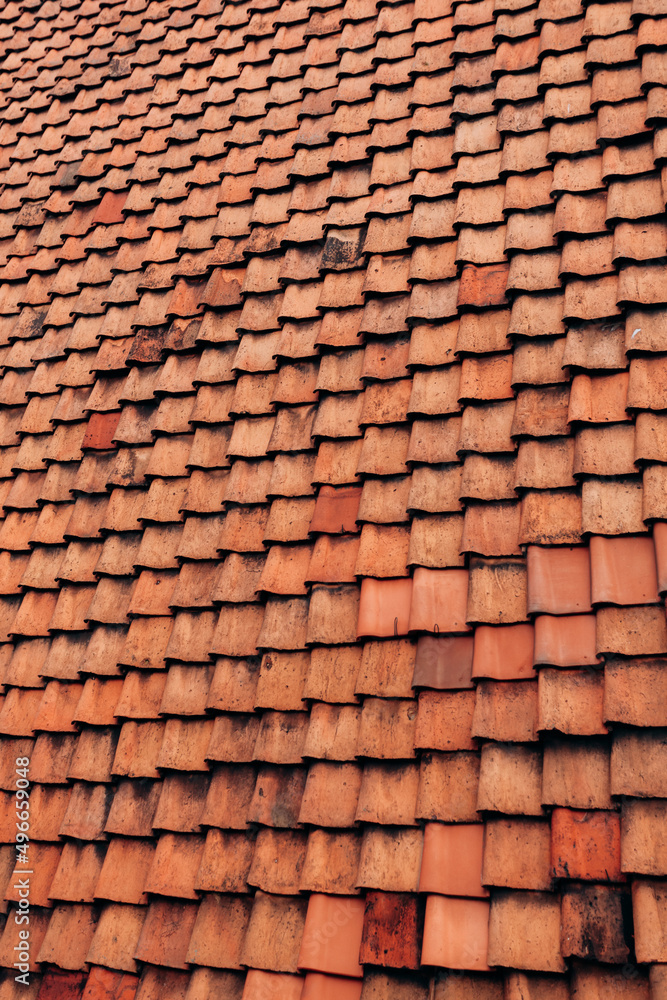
{"points": [[448, 787], [456, 933], [576, 774], [521, 914], [506, 711], [582, 911], [532, 839], [586, 845], [336, 953], [474, 396], [452, 860]]}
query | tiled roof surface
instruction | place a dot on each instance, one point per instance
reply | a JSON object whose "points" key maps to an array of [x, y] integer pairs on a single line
{"points": [[333, 474]]}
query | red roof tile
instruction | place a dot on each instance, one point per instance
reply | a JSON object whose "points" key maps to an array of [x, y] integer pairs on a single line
{"points": [[524, 931], [586, 845], [452, 860], [332, 349], [332, 945], [456, 933]]}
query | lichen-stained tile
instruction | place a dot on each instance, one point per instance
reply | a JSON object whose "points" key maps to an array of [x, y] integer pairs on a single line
{"points": [[271, 849], [497, 591], [634, 631], [285, 570], [436, 392], [587, 977], [484, 428], [329, 797], [48, 857], [541, 412], [238, 630], [506, 711], [385, 912], [448, 787], [628, 749], [386, 728], [384, 500], [649, 434], [333, 732], [77, 873], [274, 932], [18, 710], [32, 614], [592, 922], [145, 643], [586, 845], [138, 748], [227, 802], [174, 866], [525, 839], [68, 936], [524, 931], [166, 932], [510, 780], [651, 506], [639, 704], [122, 876], [23, 664], [648, 902], [230, 688], [576, 773], [571, 702], [544, 464], [281, 737], [234, 539], [644, 388], [281, 681], [333, 560], [39, 925]]}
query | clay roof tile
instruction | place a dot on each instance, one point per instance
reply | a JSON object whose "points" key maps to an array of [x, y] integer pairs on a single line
{"points": [[166, 950], [455, 933], [513, 913], [338, 954], [452, 860]]}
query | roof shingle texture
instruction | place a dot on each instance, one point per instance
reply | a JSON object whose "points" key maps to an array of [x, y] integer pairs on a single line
{"points": [[333, 473]]}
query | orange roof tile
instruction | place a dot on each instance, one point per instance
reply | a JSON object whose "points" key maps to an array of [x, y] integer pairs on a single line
{"points": [[332, 461], [456, 933], [329, 945]]}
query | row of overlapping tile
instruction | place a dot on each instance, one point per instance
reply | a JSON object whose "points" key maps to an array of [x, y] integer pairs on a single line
{"points": [[332, 408]]}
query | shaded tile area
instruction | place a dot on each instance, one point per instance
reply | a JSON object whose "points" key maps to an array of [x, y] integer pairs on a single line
{"points": [[333, 548]]}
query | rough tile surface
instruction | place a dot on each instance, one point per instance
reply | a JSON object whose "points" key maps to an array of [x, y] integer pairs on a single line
{"points": [[333, 493]]}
